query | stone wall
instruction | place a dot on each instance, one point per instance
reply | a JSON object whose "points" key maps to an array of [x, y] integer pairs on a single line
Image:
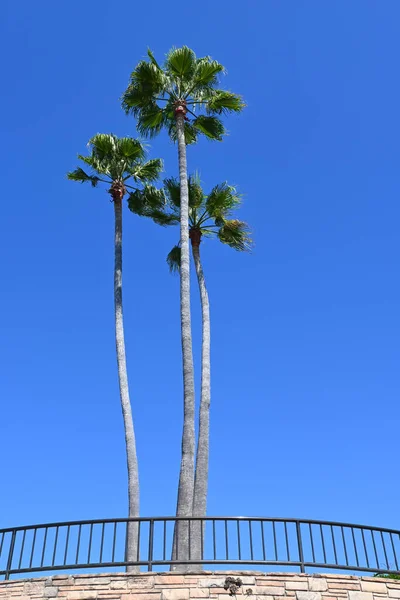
{"points": [[207, 585]]}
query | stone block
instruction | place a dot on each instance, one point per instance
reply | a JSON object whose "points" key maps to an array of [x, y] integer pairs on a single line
{"points": [[269, 590], [374, 586], [50, 591], [86, 595], [170, 580], [308, 596], [317, 584], [215, 582], [394, 593], [175, 594], [360, 595], [297, 585], [199, 593]]}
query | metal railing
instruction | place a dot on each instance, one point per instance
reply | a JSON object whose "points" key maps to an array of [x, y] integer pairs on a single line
{"points": [[244, 541]]}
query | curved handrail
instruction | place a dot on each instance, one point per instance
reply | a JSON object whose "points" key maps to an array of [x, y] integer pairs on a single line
{"points": [[290, 542]]}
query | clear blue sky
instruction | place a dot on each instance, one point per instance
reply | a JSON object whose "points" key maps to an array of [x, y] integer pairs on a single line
{"points": [[305, 331]]}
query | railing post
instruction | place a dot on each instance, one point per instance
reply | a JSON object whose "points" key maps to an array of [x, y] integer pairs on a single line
{"points": [[151, 542], [300, 545], [10, 555]]}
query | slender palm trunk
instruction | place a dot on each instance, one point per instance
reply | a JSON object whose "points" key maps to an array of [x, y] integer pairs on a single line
{"points": [[181, 547], [132, 463], [201, 472]]}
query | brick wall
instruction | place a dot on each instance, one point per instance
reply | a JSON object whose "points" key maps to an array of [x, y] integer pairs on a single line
{"points": [[170, 586]]}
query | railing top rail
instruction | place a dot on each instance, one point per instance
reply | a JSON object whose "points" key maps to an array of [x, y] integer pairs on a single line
{"points": [[206, 518]]}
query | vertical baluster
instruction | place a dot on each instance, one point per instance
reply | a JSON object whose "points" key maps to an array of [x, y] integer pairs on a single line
{"points": [[323, 542], [114, 540], [90, 543], [102, 542], [275, 546], [22, 549], [355, 546], [375, 552], [214, 541], [226, 541], [287, 543], [238, 537], [384, 550], [394, 552], [344, 547], [262, 539], [165, 540], [312, 542], [44, 546], [33, 548], [365, 547], [334, 545], [78, 545], [55, 547]]}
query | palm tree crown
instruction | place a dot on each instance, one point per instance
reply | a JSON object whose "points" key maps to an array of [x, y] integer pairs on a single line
{"points": [[186, 84], [115, 161], [209, 215]]}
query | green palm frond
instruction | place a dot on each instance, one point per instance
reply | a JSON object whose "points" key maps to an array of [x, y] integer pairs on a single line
{"points": [[150, 120], [211, 127], [174, 259], [181, 62], [103, 145], [236, 234], [80, 175], [206, 73], [147, 81], [141, 202], [222, 102], [222, 199], [130, 148], [162, 218], [148, 171], [173, 192]]}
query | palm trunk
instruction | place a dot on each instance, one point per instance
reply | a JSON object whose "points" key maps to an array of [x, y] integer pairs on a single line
{"points": [[181, 545], [132, 463], [201, 473]]}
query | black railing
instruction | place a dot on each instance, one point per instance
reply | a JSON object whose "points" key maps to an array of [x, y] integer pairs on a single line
{"points": [[245, 541]]}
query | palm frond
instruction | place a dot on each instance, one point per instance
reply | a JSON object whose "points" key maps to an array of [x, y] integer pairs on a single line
{"points": [[162, 218], [148, 171], [173, 191], [147, 199], [151, 120], [222, 102], [211, 127], [206, 73], [146, 82], [222, 199], [130, 148], [174, 259], [181, 62], [236, 234], [101, 167], [103, 145], [80, 175]]}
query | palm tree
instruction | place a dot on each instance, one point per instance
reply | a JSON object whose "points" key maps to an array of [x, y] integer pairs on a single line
{"points": [[119, 162], [182, 96], [209, 216]]}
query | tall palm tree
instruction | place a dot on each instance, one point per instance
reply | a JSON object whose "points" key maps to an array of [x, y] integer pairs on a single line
{"points": [[120, 164], [209, 216], [182, 96]]}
